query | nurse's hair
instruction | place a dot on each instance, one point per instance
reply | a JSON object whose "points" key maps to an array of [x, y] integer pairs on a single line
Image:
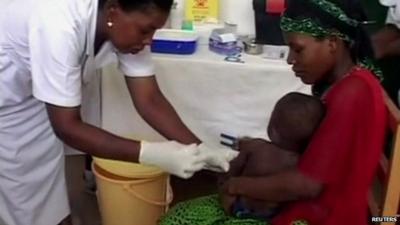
{"points": [[134, 5]]}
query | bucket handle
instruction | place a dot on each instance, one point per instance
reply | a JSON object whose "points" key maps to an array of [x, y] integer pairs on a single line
{"points": [[169, 197], [127, 185]]}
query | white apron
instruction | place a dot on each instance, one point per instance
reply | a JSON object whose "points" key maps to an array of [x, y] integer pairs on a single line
{"points": [[33, 190], [393, 14], [32, 184], [37, 195]]}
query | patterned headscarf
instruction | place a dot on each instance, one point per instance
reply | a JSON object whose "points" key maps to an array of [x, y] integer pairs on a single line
{"points": [[321, 18]]}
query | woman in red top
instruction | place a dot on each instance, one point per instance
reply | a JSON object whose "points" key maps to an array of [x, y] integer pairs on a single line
{"points": [[328, 50]]}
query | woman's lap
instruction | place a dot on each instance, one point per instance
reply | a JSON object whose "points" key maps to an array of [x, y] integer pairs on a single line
{"points": [[203, 211]]}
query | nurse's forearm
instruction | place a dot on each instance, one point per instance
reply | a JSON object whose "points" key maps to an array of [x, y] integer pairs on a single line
{"points": [[387, 34], [393, 48], [157, 111], [161, 116], [386, 42], [69, 127]]}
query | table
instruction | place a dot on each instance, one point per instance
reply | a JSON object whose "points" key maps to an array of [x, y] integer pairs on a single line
{"points": [[212, 96]]}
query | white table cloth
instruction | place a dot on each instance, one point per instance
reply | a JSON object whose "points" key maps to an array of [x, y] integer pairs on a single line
{"points": [[212, 96]]}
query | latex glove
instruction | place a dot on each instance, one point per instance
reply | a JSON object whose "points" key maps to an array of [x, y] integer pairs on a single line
{"points": [[217, 158], [175, 158]]}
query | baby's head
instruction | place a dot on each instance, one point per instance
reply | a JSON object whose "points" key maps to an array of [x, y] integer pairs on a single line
{"points": [[294, 119]]}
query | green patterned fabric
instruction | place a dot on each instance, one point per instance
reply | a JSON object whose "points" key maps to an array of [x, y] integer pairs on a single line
{"points": [[335, 11], [309, 27], [203, 211], [206, 211], [300, 222], [369, 64]]}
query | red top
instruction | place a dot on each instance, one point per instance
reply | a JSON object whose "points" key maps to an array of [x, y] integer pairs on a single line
{"points": [[275, 6], [343, 154]]}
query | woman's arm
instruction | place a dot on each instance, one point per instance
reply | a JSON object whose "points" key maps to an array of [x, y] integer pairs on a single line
{"points": [[282, 187]]}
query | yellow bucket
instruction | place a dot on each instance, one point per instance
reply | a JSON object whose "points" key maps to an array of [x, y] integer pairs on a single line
{"points": [[129, 193], [127, 169]]}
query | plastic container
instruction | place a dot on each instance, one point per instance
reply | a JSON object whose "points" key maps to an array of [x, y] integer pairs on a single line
{"points": [[204, 31], [229, 48], [172, 41], [251, 47], [223, 42], [129, 200], [177, 14], [127, 169], [130, 193]]}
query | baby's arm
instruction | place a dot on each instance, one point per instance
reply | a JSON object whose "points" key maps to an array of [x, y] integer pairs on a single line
{"points": [[269, 159], [252, 144], [236, 167]]}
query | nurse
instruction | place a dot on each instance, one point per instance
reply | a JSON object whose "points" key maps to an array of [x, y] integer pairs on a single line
{"points": [[387, 40], [48, 51]]}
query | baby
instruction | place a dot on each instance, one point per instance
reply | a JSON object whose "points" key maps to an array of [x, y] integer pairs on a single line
{"points": [[293, 121]]}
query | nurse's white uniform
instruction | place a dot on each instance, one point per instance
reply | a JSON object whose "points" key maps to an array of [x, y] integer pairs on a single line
{"points": [[393, 17], [45, 47], [393, 14]]}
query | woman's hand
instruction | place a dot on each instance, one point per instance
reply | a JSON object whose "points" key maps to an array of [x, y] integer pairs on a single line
{"points": [[227, 199], [231, 185], [227, 202]]}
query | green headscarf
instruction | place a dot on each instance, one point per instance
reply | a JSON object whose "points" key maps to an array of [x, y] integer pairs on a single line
{"points": [[321, 18]]}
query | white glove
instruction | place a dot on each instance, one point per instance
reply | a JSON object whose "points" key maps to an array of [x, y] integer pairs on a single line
{"points": [[217, 158], [172, 157]]}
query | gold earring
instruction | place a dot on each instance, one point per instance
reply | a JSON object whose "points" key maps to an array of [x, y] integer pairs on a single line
{"points": [[109, 24]]}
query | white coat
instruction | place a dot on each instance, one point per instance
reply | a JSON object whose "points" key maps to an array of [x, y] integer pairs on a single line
{"points": [[393, 15], [46, 56]]}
